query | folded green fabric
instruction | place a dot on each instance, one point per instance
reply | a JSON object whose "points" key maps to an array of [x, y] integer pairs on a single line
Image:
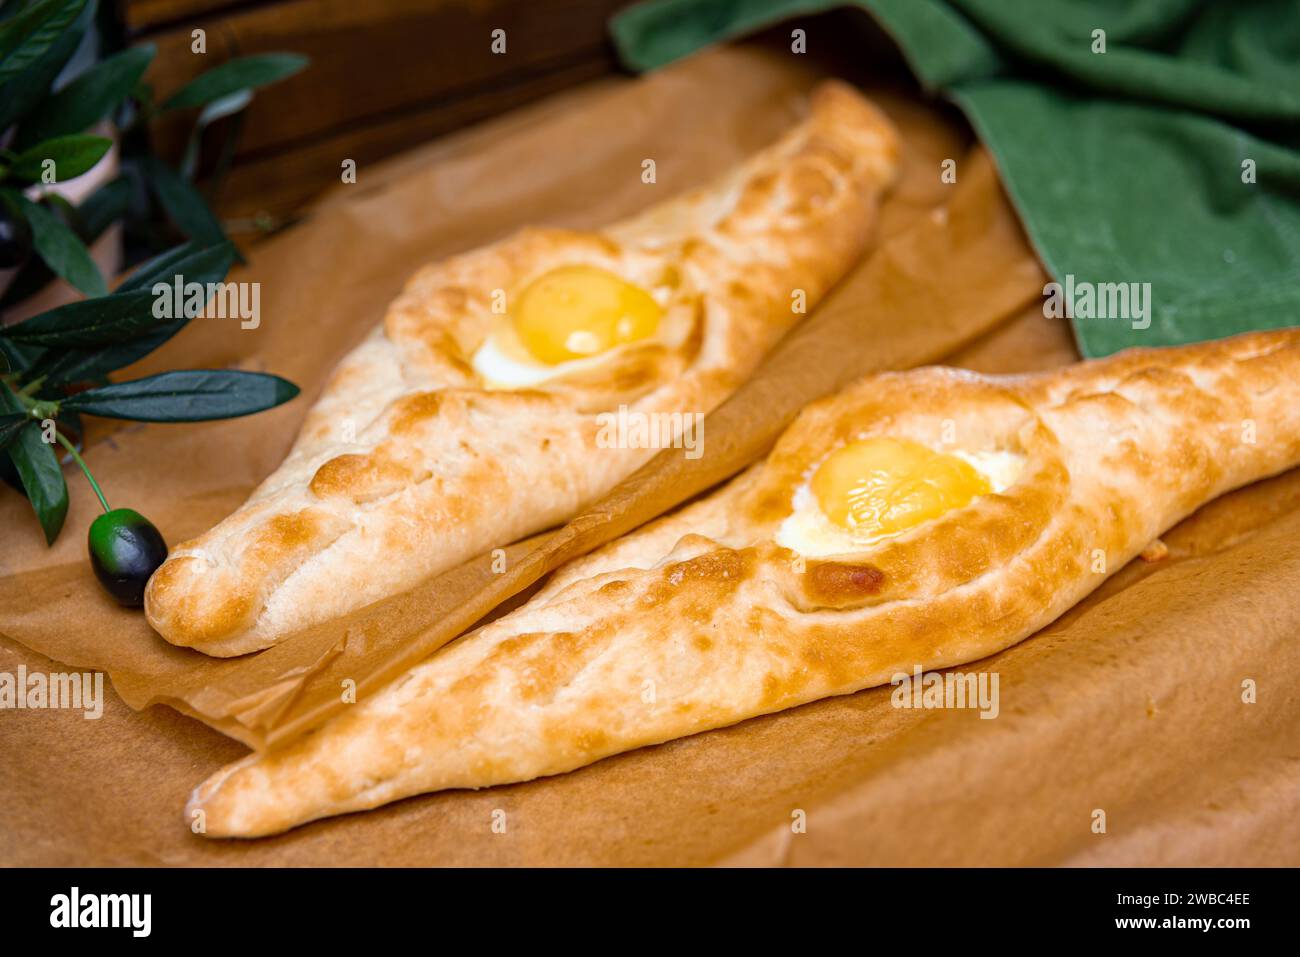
{"points": [[1155, 164]]}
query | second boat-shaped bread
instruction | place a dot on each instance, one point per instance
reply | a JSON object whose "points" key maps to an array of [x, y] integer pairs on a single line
{"points": [[470, 417], [918, 519]]}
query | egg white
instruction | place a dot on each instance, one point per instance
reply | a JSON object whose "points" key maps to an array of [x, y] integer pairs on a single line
{"points": [[503, 362], [807, 530], [501, 370]]}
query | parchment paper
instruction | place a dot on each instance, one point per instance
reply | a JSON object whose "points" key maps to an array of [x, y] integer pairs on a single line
{"points": [[1131, 703]]}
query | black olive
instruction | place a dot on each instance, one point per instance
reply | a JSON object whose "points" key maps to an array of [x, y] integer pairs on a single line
{"points": [[15, 238], [125, 549]]}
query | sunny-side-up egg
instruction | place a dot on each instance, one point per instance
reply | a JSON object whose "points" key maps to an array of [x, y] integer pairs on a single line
{"points": [[877, 487], [564, 321]]}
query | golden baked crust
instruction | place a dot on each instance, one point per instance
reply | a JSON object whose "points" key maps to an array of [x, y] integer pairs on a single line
{"points": [[408, 464], [701, 620]]}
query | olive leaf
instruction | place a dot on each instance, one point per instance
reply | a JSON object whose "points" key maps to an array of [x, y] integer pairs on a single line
{"points": [[184, 204], [247, 72], [96, 213], [192, 395], [194, 261], [62, 250], [34, 46], [17, 356], [90, 323], [30, 33], [70, 155], [39, 472], [194, 264], [87, 99], [42, 479], [126, 314], [11, 423], [216, 110]]}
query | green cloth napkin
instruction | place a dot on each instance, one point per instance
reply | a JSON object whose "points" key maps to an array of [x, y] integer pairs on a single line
{"points": [[1128, 166]]}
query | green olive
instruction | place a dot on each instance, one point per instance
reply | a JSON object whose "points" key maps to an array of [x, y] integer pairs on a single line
{"points": [[125, 549]]}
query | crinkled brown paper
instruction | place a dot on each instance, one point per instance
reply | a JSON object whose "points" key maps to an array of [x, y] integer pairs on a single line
{"points": [[1132, 703]]}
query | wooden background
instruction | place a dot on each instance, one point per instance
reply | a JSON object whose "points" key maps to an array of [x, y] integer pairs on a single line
{"points": [[385, 75]]}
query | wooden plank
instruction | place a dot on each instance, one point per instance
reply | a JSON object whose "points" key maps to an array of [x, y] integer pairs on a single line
{"points": [[280, 185], [373, 59], [138, 15]]}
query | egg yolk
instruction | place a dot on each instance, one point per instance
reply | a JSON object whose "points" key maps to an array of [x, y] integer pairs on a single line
{"points": [[881, 486], [579, 311]]}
